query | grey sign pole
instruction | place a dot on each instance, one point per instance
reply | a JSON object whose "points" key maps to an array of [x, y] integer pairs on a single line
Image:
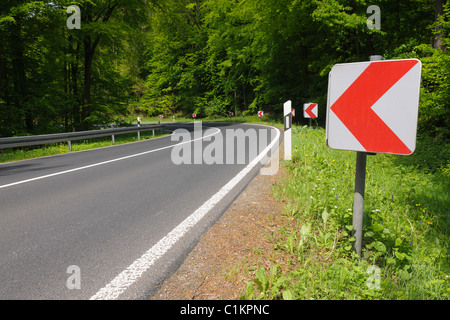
{"points": [[358, 200], [360, 184]]}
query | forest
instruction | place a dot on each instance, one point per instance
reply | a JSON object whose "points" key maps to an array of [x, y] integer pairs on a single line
{"points": [[209, 57]]}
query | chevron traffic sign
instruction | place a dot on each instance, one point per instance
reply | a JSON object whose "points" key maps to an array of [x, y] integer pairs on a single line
{"points": [[373, 106], [310, 110]]}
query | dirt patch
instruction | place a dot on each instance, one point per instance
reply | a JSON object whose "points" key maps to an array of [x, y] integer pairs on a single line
{"points": [[227, 256]]}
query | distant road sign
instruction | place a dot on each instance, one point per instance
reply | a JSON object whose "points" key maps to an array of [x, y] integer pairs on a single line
{"points": [[373, 106], [260, 113], [194, 115], [310, 110]]}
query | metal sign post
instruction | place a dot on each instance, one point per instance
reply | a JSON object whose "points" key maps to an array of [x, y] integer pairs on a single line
{"points": [[360, 185], [358, 200], [372, 108]]}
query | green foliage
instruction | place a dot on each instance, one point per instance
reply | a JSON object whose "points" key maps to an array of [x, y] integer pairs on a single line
{"points": [[204, 56], [406, 225], [267, 285], [216, 56], [53, 78]]}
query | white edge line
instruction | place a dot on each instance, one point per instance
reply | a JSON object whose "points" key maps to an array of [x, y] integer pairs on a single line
{"points": [[130, 275], [102, 163]]}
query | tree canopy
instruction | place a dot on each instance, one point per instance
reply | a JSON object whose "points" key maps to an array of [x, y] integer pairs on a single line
{"points": [[205, 56]]}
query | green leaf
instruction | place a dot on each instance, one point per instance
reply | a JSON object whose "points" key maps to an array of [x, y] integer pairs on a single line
{"points": [[261, 276], [369, 234], [399, 255], [378, 246], [273, 271], [250, 290], [287, 295], [325, 216], [377, 227], [390, 261], [304, 230]]}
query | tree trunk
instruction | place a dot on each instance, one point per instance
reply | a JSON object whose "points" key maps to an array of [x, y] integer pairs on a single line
{"points": [[89, 50], [439, 33], [19, 77], [88, 58]]}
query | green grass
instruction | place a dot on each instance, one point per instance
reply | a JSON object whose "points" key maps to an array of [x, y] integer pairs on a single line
{"points": [[406, 225]]}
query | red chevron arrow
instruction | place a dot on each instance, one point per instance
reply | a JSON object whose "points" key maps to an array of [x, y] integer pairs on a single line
{"points": [[354, 106], [309, 110]]}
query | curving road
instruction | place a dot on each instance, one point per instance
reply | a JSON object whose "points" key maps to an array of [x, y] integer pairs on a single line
{"points": [[112, 223]]}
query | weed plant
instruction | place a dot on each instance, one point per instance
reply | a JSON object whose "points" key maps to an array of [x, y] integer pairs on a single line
{"points": [[406, 225]]}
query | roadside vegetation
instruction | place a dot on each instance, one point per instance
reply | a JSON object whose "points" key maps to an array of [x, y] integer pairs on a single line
{"points": [[406, 225]]}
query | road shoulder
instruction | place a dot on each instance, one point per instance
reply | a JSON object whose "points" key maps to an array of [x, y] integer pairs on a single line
{"points": [[227, 256]]}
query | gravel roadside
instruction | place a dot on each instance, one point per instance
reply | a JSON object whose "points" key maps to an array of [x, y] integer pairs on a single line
{"points": [[227, 256]]}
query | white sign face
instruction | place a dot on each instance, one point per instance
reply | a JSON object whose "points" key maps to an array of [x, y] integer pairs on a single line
{"points": [[310, 110], [373, 106], [287, 109]]}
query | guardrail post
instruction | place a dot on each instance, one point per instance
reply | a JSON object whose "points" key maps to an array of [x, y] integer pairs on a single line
{"points": [[18, 142]]}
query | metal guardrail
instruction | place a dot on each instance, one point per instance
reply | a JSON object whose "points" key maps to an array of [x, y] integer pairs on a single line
{"points": [[25, 141]]}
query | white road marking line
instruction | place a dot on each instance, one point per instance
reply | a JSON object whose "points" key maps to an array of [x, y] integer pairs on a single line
{"points": [[130, 275], [102, 163]]}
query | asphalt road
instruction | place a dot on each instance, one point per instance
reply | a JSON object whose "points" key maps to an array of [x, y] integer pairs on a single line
{"points": [[112, 223]]}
